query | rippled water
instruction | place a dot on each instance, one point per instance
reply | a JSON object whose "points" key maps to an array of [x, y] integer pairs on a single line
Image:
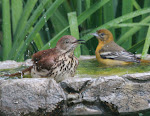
{"points": [[92, 67]]}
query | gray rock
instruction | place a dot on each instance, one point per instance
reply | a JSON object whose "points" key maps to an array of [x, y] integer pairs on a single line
{"points": [[145, 77], [10, 64], [105, 95], [81, 109], [29, 96], [75, 96]]}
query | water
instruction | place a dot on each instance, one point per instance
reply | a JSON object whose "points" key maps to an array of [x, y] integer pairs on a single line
{"points": [[93, 68], [11, 71]]}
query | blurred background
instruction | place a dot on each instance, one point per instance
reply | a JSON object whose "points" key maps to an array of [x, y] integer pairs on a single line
{"points": [[27, 26]]}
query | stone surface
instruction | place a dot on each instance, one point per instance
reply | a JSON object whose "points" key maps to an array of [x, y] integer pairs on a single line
{"points": [[145, 77], [75, 96], [9, 64], [29, 96], [111, 94]]}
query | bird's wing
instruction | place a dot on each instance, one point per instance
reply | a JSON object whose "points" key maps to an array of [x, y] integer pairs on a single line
{"points": [[121, 56], [42, 54], [45, 63]]}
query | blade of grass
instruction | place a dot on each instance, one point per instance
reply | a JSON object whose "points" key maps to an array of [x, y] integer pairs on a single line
{"points": [[130, 25], [132, 31], [81, 19], [91, 10], [79, 7], [48, 34], [20, 26], [6, 27], [72, 17], [37, 39], [24, 17], [26, 29], [16, 7], [136, 5], [117, 21], [59, 21], [137, 46], [53, 41], [88, 4], [108, 13], [142, 31], [67, 6], [84, 50], [38, 26], [126, 8], [146, 44]]}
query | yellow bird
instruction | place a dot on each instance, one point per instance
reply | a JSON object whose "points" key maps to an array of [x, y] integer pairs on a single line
{"points": [[109, 53]]}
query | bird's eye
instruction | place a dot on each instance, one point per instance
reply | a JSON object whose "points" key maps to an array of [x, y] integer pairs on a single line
{"points": [[102, 34], [67, 42]]}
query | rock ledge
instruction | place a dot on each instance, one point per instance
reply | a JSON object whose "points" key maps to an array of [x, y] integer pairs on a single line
{"points": [[76, 96]]}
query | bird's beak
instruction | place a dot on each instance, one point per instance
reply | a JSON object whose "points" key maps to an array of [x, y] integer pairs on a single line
{"points": [[81, 41], [95, 34]]}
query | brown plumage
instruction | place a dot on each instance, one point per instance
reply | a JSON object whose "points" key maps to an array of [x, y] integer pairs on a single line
{"points": [[109, 53], [58, 63]]}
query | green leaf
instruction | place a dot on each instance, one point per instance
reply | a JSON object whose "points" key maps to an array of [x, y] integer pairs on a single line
{"points": [[81, 19], [146, 44], [53, 41], [127, 8], [6, 42], [72, 17], [143, 30], [117, 21], [108, 13], [136, 5], [17, 7], [130, 25], [132, 31], [88, 4], [24, 29], [59, 21], [91, 10], [38, 26], [137, 46], [24, 17]]}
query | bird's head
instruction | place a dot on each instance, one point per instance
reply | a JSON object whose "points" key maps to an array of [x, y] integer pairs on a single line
{"points": [[68, 43], [103, 35]]}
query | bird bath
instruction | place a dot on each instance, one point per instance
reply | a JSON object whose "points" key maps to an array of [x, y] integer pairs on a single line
{"points": [[88, 66], [95, 89]]}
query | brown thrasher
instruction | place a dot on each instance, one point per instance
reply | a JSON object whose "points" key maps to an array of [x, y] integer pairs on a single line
{"points": [[57, 63]]}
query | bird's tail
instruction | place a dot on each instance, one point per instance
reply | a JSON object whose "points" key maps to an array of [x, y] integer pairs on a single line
{"points": [[19, 73], [145, 61]]}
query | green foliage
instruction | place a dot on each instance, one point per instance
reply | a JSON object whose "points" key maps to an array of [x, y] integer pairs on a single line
{"points": [[38, 24], [146, 45], [7, 41], [73, 23]]}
